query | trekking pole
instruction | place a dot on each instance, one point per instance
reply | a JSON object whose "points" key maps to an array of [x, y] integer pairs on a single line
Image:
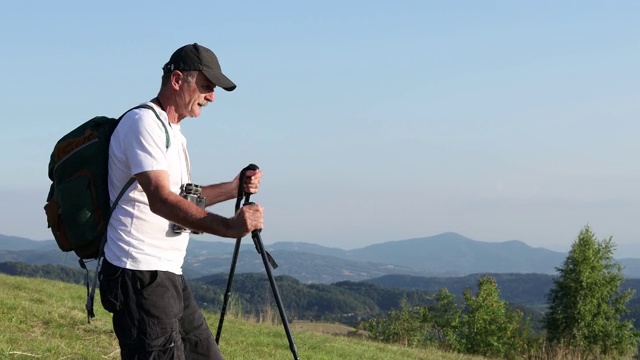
{"points": [[236, 250], [267, 260], [268, 263]]}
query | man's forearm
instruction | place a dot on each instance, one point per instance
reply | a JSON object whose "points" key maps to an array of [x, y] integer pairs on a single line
{"points": [[218, 193], [180, 211], [176, 209]]}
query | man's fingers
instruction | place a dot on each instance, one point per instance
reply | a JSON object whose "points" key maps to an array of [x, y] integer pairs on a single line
{"points": [[253, 177], [254, 216], [252, 184]]}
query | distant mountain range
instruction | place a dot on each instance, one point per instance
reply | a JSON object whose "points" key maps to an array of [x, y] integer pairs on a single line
{"points": [[447, 254]]}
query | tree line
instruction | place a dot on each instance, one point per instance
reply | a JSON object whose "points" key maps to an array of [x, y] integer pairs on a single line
{"points": [[345, 302], [52, 272]]}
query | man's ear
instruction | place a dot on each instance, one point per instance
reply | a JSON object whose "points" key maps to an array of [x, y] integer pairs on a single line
{"points": [[176, 79]]}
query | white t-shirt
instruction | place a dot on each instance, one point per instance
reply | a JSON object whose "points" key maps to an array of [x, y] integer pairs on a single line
{"points": [[138, 239]]}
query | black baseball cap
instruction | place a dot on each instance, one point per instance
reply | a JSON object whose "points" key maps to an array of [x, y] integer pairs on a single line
{"points": [[196, 57]]}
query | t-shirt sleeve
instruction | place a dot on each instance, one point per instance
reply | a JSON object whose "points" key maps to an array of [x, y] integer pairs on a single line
{"points": [[144, 141]]}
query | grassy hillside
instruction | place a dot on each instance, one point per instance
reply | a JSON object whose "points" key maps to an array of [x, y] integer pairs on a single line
{"points": [[45, 319]]}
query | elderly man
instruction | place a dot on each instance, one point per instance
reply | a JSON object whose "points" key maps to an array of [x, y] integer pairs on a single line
{"points": [[141, 282]]}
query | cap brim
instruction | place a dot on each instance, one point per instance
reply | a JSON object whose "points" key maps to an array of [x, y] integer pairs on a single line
{"points": [[220, 80]]}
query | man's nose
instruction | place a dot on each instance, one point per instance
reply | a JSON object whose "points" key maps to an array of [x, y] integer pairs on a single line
{"points": [[210, 96]]}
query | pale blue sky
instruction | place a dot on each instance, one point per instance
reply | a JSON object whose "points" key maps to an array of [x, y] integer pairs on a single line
{"points": [[372, 120]]}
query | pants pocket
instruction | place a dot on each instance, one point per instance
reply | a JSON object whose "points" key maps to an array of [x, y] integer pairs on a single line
{"points": [[110, 277], [154, 341]]}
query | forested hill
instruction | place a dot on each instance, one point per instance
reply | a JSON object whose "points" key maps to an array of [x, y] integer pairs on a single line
{"points": [[53, 272], [344, 301], [530, 290]]}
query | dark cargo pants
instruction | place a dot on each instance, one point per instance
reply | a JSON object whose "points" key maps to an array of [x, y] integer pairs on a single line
{"points": [[155, 315]]}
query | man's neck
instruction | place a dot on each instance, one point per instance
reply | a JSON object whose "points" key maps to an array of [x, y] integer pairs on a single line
{"points": [[166, 103]]}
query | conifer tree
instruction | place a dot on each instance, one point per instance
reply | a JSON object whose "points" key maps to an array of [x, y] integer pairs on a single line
{"points": [[586, 303]]}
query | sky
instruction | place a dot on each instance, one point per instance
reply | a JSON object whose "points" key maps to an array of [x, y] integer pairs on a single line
{"points": [[373, 121]]}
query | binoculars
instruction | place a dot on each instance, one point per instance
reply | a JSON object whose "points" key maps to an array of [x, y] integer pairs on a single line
{"points": [[191, 192]]}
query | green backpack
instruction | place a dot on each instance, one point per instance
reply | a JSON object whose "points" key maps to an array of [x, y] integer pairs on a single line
{"points": [[78, 205]]}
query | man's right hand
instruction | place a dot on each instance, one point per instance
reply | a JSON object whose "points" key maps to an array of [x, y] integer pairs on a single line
{"points": [[248, 218]]}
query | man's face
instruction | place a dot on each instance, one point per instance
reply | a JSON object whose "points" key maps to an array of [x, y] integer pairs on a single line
{"points": [[194, 95]]}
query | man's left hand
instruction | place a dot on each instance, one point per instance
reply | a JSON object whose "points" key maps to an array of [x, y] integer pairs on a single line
{"points": [[252, 181]]}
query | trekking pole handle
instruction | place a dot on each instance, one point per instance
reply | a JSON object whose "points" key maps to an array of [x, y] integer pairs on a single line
{"points": [[243, 174], [241, 193]]}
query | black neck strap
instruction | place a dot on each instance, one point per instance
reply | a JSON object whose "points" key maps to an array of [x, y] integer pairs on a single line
{"points": [[157, 99]]}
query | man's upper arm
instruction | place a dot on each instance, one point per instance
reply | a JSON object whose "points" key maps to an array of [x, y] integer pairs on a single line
{"points": [[155, 184]]}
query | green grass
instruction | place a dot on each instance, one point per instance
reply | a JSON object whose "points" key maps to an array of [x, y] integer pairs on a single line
{"points": [[44, 319]]}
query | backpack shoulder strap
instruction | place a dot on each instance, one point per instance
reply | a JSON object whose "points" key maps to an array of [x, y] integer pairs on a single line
{"points": [[145, 106], [166, 131]]}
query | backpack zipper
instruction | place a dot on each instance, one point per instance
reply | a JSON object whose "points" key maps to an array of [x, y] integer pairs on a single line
{"points": [[73, 152]]}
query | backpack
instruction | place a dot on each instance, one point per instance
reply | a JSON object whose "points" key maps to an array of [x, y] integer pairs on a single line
{"points": [[78, 205]]}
